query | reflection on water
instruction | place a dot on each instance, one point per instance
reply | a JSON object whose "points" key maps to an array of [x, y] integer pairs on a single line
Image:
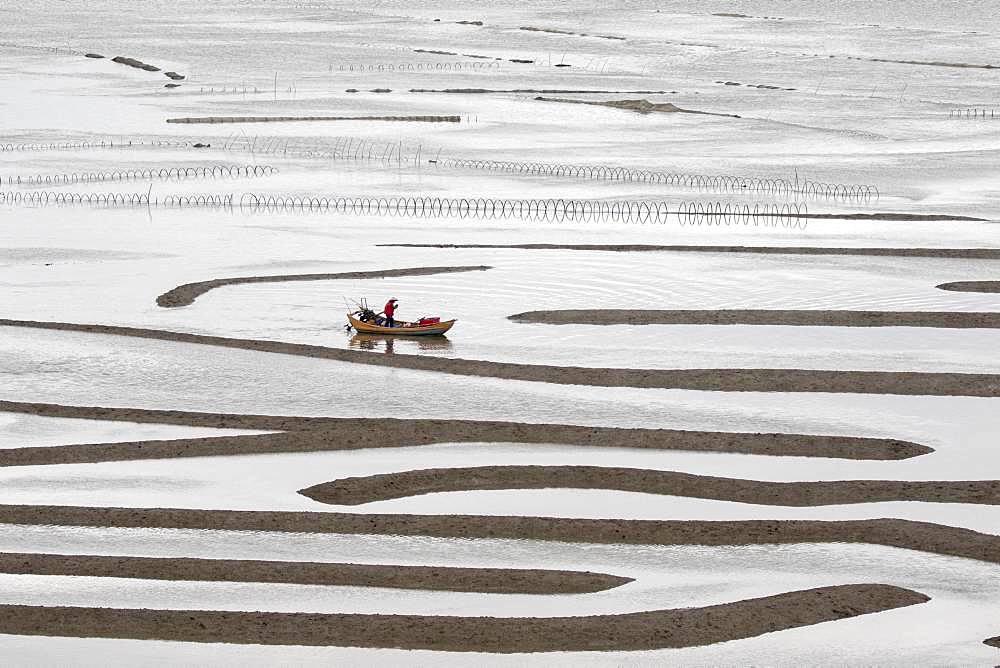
{"points": [[388, 344]]}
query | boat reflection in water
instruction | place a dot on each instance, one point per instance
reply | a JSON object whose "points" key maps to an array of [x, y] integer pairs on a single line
{"points": [[387, 344]]}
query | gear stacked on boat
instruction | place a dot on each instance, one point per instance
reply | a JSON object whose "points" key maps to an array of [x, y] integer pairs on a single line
{"points": [[364, 319]]}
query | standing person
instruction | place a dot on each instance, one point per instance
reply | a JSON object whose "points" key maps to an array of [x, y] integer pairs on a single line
{"points": [[390, 311]]}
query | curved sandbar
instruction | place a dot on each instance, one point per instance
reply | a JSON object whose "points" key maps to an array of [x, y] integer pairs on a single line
{"points": [[300, 434], [922, 383], [964, 253], [907, 534], [437, 578], [654, 629], [813, 318], [184, 295], [356, 491], [971, 286]]}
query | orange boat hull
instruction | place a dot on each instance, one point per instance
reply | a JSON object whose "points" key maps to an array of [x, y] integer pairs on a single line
{"points": [[401, 328]]}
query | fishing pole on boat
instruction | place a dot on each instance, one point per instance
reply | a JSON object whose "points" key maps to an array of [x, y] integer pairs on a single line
{"points": [[364, 320]]}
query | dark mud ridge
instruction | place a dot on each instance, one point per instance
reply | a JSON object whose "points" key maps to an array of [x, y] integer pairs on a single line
{"points": [[302, 434], [713, 380], [138, 64], [762, 86], [436, 578], [556, 31], [810, 318], [184, 295], [630, 631], [356, 491], [888, 216], [971, 286], [967, 253], [640, 106], [734, 15], [285, 119], [933, 63], [906, 534]]}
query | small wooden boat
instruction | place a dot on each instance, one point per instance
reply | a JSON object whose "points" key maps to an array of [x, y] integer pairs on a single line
{"points": [[401, 328]]}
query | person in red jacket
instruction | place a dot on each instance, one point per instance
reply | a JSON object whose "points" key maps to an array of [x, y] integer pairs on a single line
{"points": [[390, 311]]}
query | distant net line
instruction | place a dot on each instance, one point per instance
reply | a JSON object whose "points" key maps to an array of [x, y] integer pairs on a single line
{"points": [[534, 210], [352, 148], [857, 193], [91, 144], [344, 148], [443, 66], [974, 113], [120, 175]]}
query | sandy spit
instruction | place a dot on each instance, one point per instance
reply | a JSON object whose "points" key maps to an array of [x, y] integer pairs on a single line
{"points": [[712, 380], [969, 253], [438, 578], [971, 286], [298, 434], [184, 295], [922, 536], [356, 491], [933, 63], [815, 318], [634, 631], [640, 106]]}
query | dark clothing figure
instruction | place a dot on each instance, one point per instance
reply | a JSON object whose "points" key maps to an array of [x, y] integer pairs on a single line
{"points": [[390, 312]]}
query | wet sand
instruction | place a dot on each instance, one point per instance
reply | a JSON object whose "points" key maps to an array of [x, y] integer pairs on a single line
{"points": [[632, 631], [813, 318], [484, 91], [299, 434], [437, 578], [971, 286], [360, 490], [921, 536], [965, 253], [712, 380], [286, 119], [184, 295]]}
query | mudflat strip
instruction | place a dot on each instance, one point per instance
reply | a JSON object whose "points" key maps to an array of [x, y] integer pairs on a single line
{"points": [[809, 318], [964, 253], [971, 286], [632, 631], [301, 434], [360, 490], [712, 380], [922, 536], [438, 578], [184, 295]]}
